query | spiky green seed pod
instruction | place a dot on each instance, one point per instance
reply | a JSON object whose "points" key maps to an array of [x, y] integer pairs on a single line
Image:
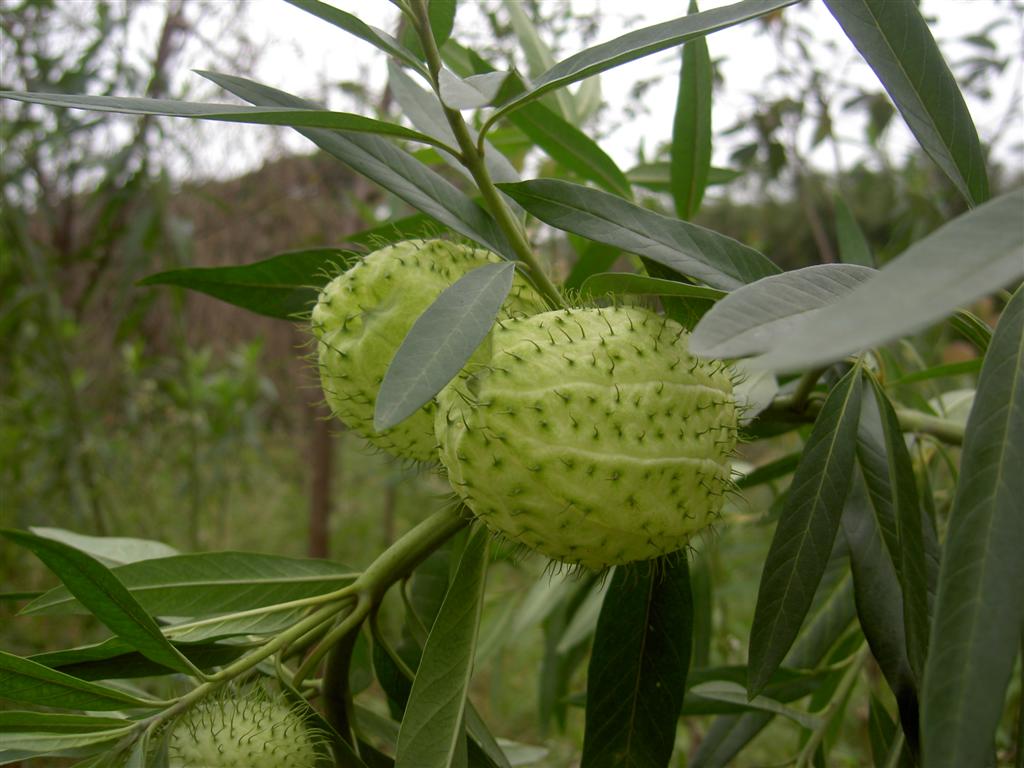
{"points": [[254, 729], [363, 315], [591, 436]]}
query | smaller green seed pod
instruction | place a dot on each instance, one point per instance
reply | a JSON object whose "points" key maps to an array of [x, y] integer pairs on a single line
{"points": [[591, 436], [363, 315], [255, 729]]}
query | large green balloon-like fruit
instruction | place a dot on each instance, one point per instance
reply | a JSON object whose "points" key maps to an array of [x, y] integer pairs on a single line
{"points": [[255, 730], [363, 315], [591, 436]]}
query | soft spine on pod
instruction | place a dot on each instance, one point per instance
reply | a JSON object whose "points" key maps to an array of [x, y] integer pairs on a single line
{"points": [[253, 729], [591, 436], [364, 314]]}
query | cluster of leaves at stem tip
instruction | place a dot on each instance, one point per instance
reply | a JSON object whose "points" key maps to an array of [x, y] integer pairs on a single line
{"points": [[929, 596]]}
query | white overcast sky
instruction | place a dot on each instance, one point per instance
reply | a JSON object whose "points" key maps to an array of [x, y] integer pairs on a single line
{"points": [[299, 53]]}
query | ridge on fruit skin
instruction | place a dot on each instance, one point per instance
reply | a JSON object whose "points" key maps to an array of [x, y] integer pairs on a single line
{"points": [[251, 728], [591, 435], [363, 315]]}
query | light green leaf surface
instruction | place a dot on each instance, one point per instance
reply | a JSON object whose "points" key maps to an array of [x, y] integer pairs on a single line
{"points": [[294, 117], [210, 583], [806, 531], [109, 550], [354, 26], [387, 165], [708, 256], [895, 41], [29, 735], [979, 611], [973, 255], [433, 724], [690, 161], [107, 599], [441, 341], [29, 682], [625, 283], [758, 315], [643, 42], [736, 694]]}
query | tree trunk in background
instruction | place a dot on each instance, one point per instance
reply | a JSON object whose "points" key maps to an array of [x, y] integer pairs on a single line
{"points": [[321, 467]]}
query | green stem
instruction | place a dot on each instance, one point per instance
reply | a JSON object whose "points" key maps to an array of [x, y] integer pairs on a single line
{"points": [[804, 388], [782, 409], [843, 690], [473, 159]]}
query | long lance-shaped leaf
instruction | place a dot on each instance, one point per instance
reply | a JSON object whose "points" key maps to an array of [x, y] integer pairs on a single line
{"points": [[691, 130], [637, 673], [971, 256], [433, 727], [626, 283], [212, 583], [354, 26], [29, 682], [753, 316], [895, 41], [853, 245], [728, 735], [28, 735], [571, 148], [715, 259], [228, 113], [806, 531], [979, 611], [284, 286], [880, 604], [109, 550], [387, 165], [106, 598], [639, 43], [910, 557], [440, 342], [114, 659]]}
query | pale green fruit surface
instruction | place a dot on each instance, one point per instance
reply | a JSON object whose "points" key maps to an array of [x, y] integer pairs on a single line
{"points": [[256, 730], [592, 436], [363, 315]]}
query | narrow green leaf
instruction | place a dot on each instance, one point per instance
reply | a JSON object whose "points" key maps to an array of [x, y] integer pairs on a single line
{"points": [[29, 735], [29, 682], [114, 659], [657, 176], [728, 735], [715, 259], [881, 730], [638, 666], [736, 695], [910, 557], [853, 246], [593, 258], [753, 317], [214, 628], [284, 286], [109, 550], [691, 130], [880, 602], [773, 470], [212, 583], [433, 724], [352, 24], [384, 163], [642, 42], [571, 148], [440, 342], [972, 328], [895, 41], [963, 368], [294, 117], [105, 597], [625, 283], [539, 59], [979, 611], [924, 284], [476, 91], [806, 531]]}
